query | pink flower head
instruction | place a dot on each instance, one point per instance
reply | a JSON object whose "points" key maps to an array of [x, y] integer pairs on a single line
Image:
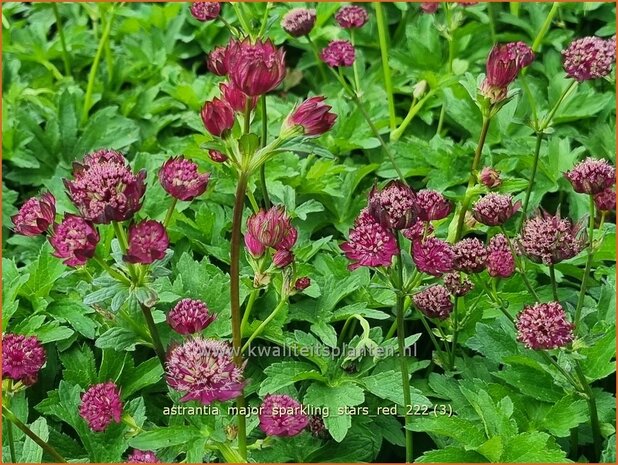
{"points": [[591, 176], [351, 17], [589, 58], [550, 239], [302, 283], [205, 370], [606, 200], [101, 405], [217, 156], [22, 358], [142, 456], [338, 53], [490, 177], [313, 116], [434, 302], [254, 246], [190, 316], [418, 231], [236, 98], [283, 258], [218, 117], [470, 255], [500, 260], [205, 11], [432, 256], [104, 189], [432, 205], [495, 209], [272, 228], [429, 7], [280, 415], [503, 64], [369, 244], [299, 22], [544, 326], [255, 68], [216, 61], [394, 206], [148, 242], [457, 283], [181, 179], [35, 215], [75, 240]]}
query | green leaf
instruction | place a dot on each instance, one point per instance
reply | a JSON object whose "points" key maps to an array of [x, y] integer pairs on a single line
{"points": [[387, 385], [564, 415], [465, 432], [107, 129], [112, 364], [532, 447], [283, 374], [159, 438], [44, 271], [451, 454], [74, 313], [599, 362], [79, 366], [335, 398], [118, 339], [32, 452], [146, 374]]}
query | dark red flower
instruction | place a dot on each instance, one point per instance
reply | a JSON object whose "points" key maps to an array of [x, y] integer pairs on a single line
{"points": [[205, 11], [544, 326], [22, 357], [255, 68], [495, 209], [589, 58], [218, 117], [351, 17], [298, 22], [217, 156], [75, 240], [272, 228], [470, 255], [190, 316], [490, 177], [236, 98], [500, 260], [101, 405], [503, 64], [181, 179], [457, 283], [432, 256], [314, 116], [35, 215], [280, 415], [142, 456], [148, 242], [606, 200], [216, 61], [432, 205], [338, 53], [394, 206], [283, 258], [591, 176], [430, 7], [434, 302], [302, 283]]}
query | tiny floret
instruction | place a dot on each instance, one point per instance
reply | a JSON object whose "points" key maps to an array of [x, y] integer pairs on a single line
{"points": [[299, 22], [470, 255], [205, 11], [589, 58], [495, 209], [180, 178], [74, 240], [433, 256], [148, 242], [351, 17]]}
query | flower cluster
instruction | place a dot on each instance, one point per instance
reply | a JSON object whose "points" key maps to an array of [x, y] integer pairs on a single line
{"points": [[281, 415], [313, 116], [271, 229], [394, 207], [180, 178], [589, 58], [22, 358], [338, 53], [503, 64], [142, 456], [74, 240], [205, 370], [351, 17], [190, 316], [434, 302], [591, 176], [431, 205], [470, 255], [101, 405], [500, 260], [148, 242], [35, 216], [299, 22], [457, 284], [544, 326], [495, 209], [432, 256], [205, 11]]}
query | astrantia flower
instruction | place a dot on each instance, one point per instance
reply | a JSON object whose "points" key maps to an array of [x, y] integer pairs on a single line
{"points": [[142, 456], [432, 205], [236, 98], [217, 156], [22, 357], [606, 200], [589, 58], [418, 231], [272, 228], [148, 242], [302, 283], [216, 61], [190, 316], [394, 206], [490, 177], [101, 405], [351, 17], [255, 68], [181, 179], [457, 283], [317, 427], [544, 326], [217, 116], [429, 7], [369, 244], [591, 176], [205, 11], [432, 256], [298, 22], [500, 260], [104, 189], [495, 209], [550, 239], [75, 240], [283, 258], [35, 215], [280, 415], [205, 370], [338, 53], [503, 64], [313, 116], [434, 302], [470, 255]]}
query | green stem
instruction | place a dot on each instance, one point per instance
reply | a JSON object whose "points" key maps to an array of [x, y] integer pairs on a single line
{"points": [[95, 65], [65, 53], [245, 317], [265, 19], [264, 323], [592, 407], [548, 119], [357, 85], [554, 286], [431, 335], [562, 371], [535, 165], [384, 53], [401, 341], [414, 109], [475, 164], [241, 189], [10, 425], [584, 285], [545, 27], [115, 274], [263, 185], [247, 119], [318, 60], [170, 212], [9, 415], [154, 335], [243, 22], [520, 270], [455, 315], [124, 246]]}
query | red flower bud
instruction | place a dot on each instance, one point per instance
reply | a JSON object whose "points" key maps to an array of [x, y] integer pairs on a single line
{"points": [[35, 216], [205, 11], [180, 178], [75, 240], [216, 61], [255, 68], [148, 242], [218, 117], [236, 98], [314, 116]]}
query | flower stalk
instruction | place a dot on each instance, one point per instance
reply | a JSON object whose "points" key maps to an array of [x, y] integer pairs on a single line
{"points": [[584, 285], [384, 53], [592, 407], [65, 53], [154, 334]]}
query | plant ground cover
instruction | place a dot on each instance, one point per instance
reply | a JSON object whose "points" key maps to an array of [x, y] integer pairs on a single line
{"points": [[308, 232]]}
